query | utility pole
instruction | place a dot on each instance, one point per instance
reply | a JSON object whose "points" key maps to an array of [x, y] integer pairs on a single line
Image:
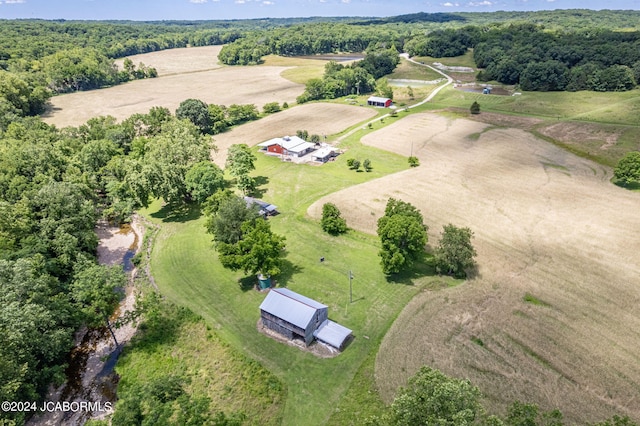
{"points": [[350, 287]]}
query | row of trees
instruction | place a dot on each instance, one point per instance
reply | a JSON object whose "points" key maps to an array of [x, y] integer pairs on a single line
{"points": [[403, 237], [86, 69], [542, 60], [355, 79], [432, 398], [298, 40], [213, 119]]}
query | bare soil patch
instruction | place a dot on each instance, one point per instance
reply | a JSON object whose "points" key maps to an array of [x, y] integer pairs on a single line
{"points": [[226, 86], [179, 61], [546, 223], [504, 120], [569, 132], [318, 118]]}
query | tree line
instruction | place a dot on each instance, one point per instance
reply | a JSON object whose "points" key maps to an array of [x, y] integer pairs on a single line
{"points": [[54, 186], [538, 59], [355, 79]]}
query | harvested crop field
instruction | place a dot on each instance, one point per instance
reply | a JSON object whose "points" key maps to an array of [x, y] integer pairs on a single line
{"points": [[179, 61], [227, 85], [319, 118], [553, 314]]}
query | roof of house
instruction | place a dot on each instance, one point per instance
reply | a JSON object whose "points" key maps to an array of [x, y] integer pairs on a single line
{"points": [[332, 333], [377, 99], [291, 306], [324, 151], [304, 146], [290, 143]]}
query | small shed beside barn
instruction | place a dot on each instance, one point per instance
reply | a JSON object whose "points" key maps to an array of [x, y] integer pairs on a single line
{"points": [[296, 316], [379, 102]]}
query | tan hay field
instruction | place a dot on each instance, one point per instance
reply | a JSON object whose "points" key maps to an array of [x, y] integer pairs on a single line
{"points": [[179, 61], [546, 223], [226, 86], [319, 118]]}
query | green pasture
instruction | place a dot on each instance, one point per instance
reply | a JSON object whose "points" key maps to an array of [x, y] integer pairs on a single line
{"points": [[608, 108], [465, 60], [187, 272], [411, 71]]}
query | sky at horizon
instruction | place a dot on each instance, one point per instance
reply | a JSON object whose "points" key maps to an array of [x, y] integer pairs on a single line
{"points": [[147, 10]]}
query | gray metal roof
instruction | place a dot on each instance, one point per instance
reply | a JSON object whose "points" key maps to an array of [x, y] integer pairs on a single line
{"points": [[378, 99], [291, 306], [332, 333]]}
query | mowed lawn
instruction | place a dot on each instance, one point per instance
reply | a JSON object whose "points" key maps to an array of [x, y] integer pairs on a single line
{"points": [[187, 271]]}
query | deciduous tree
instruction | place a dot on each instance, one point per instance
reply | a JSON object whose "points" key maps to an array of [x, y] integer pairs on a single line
{"points": [[258, 251], [228, 213], [455, 252], [203, 179], [95, 291], [197, 112], [332, 220], [431, 398], [628, 168], [403, 236]]}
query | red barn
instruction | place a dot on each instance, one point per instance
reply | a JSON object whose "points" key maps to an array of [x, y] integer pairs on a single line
{"points": [[379, 102]]}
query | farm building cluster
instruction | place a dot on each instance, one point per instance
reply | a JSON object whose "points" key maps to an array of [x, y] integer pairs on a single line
{"points": [[296, 149], [295, 316]]}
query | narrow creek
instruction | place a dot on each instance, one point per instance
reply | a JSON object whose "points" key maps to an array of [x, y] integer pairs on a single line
{"points": [[90, 373]]}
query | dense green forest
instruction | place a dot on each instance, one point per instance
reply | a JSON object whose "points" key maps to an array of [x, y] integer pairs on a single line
{"points": [[54, 185]]}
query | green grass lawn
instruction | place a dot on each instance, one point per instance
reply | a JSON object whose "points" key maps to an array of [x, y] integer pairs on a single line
{"points": [[610, 107], [465, 60], [410, 71], [187, 271]]}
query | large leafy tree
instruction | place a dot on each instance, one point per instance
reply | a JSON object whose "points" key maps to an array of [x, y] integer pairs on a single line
{"points": [[94, 289], [628, 168], [403, 236], [168, 158], [258, 251], [431, 398], [455, 252], [203, 179], [226, 214], [332, 221], [240, 162], [197, 112]]}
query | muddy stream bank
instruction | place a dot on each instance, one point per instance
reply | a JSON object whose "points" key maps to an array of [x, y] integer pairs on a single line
{"points": [[90, 375]]}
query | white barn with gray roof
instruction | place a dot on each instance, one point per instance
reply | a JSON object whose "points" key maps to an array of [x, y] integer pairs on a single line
{"points": [[296, 316]]}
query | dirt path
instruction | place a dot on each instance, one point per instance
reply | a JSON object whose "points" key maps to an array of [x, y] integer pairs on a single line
{"points": [[90, 375]]}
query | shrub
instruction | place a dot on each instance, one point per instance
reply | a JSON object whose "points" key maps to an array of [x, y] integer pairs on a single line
{"points": [[413, 161], [271, 108]]}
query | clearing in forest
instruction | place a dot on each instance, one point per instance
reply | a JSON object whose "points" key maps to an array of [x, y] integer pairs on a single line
{"points": [[222, 86], [552, 315]]}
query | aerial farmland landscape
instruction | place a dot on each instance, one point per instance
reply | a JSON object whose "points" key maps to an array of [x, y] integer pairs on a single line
{"points": [[320, 213]]}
